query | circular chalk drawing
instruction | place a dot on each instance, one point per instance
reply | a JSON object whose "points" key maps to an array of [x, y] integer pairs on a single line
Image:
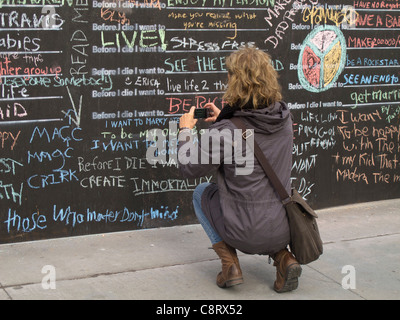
{"points": [[322, 58]]}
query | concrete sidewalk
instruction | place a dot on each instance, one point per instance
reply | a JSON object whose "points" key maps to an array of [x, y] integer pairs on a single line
{"points": [[175, 263]]}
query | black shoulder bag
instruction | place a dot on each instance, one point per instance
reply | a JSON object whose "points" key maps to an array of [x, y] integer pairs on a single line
{"points": [[306, 243]]}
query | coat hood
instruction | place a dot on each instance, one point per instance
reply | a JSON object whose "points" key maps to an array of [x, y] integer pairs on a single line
{"points": [[266, 120]]}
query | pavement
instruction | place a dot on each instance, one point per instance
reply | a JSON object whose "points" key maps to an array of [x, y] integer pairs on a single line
{"points": [[361, 261]]}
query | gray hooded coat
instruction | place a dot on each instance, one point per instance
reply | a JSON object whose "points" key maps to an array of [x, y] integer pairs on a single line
{"points": [[243, 207]]}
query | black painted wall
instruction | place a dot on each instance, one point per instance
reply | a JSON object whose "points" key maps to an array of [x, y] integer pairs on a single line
{"points": [[83, 83]]}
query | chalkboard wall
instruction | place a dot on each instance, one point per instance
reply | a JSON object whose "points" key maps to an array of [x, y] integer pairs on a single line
{"points": [[84, 84]]}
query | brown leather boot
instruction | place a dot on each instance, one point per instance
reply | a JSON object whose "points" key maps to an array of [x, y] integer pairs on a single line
{"points": [[288, 270], [231, 274]]}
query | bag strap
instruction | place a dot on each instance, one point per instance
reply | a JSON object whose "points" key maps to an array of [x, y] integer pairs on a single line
{"points": [[273, 178]]}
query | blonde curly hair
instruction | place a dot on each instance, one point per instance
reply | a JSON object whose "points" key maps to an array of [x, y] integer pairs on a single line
{"points": [[251, 77]]}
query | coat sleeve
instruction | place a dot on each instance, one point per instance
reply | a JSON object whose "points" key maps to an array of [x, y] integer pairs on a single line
{"points": [[198, 155]]}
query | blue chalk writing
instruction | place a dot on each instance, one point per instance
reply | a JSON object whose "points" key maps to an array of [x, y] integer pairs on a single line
{"points": [[65, 134], [50, 156], [57, 177], [121, 124], [68, 216], [8, 165], [8, 192], [361, 79], [29, 224], [73, 218]]}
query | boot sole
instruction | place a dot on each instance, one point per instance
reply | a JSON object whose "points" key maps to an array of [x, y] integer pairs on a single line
{"points": [[231, 283], [291, 278]]}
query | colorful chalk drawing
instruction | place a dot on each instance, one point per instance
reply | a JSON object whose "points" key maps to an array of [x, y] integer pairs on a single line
{"points": [[322, 58]]}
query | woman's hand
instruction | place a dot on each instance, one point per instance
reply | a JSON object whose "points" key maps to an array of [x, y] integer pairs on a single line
{"points": [[214, 112], [188, 120]]}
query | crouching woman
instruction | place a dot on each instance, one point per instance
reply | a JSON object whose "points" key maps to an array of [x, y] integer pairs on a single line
{"points": [[242, 210]]}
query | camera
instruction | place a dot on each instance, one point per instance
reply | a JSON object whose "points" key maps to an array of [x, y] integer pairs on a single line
{"points": [[203, 113]]}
